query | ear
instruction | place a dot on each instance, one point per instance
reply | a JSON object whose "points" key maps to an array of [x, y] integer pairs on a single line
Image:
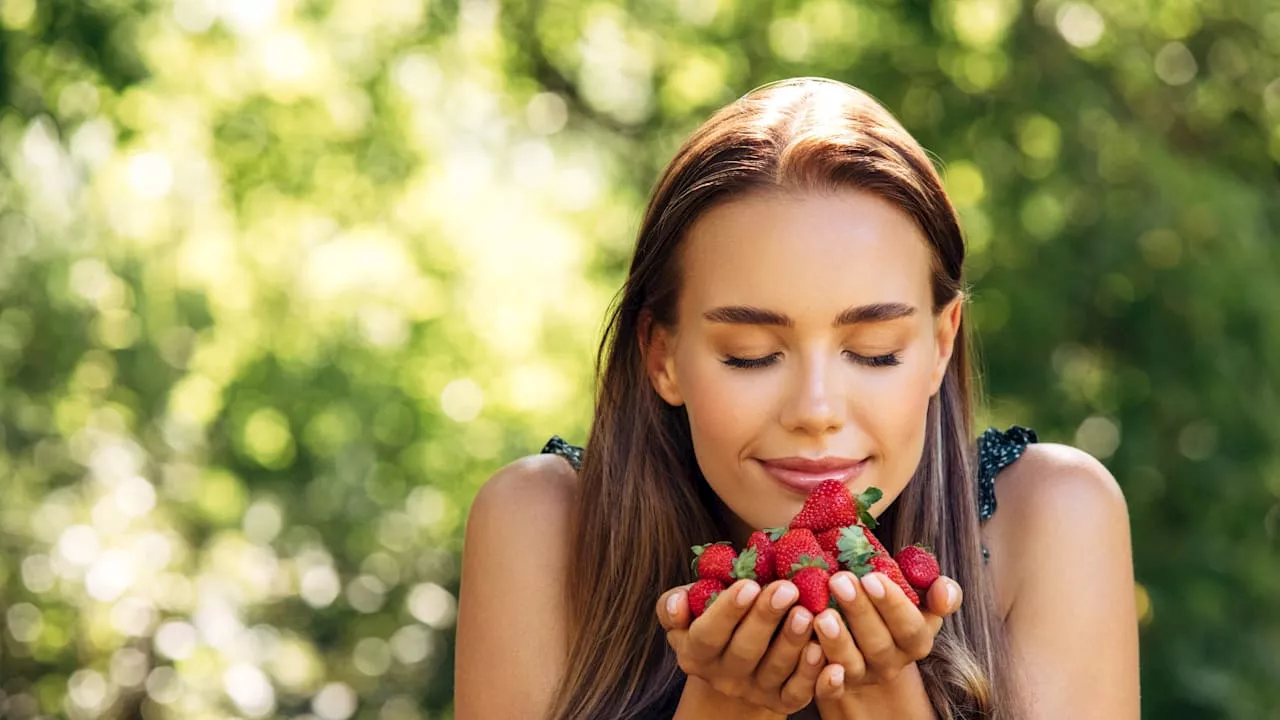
{"points": [[657, 347], [946, 327]]}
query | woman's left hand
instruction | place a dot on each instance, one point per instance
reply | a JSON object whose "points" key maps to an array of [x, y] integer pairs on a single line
{"points": [[878, 631]]}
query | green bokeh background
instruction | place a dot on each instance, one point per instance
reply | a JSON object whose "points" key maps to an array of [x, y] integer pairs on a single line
{"points": [[283, 281]]}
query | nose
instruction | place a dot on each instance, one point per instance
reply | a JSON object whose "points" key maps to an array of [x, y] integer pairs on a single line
{"points": [[816, 404]]}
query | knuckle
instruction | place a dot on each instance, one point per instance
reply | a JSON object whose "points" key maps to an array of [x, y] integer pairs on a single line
{"points": [[880, 655], [697, 645], [872, 647], [793, 696], [738, 656], [727, 686], [855, 669], [688, 666], [918, 635], [922, 648]]}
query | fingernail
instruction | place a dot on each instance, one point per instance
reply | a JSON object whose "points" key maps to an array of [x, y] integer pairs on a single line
{"points": [[952, 593], [672, 603], [747, 594], [837, 676], [800, 621], [784, 596], [843, 588], [828, 625], [872, 585], [813, 655]]}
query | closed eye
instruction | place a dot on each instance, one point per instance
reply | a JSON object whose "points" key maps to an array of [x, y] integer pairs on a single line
{"points": [[887, 360], [749, 363]]}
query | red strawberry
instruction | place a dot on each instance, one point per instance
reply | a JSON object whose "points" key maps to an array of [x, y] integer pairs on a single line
{"points": [[702, 594], [829, 539], [833, 562], [714, 562], [919, 566], [811, 580], [793, 547], [830, 505], [875, 543], [761, 544], [882, 563]]}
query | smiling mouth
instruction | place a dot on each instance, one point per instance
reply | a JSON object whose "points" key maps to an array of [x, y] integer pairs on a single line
{"points": [[803, 474]]}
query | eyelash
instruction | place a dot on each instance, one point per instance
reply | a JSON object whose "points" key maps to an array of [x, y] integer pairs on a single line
{"points": [[752, 363]]}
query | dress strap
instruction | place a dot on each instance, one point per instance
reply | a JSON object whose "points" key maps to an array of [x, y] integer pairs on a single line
{"points": [[996, 451], [557, 446]]}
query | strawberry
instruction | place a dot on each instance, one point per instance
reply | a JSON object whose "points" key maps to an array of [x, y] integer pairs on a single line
{"points": [[829, 539], [832, 559], [811, 580], [760, 548], [919, 566], [875, 543], [856, 549], [792, 548], [861, 556], [702, 594], [884, 564], [830, 505], [714, 561]]}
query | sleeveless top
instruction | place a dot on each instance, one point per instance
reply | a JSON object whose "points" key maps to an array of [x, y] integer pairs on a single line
{"points": [[997, 450]]}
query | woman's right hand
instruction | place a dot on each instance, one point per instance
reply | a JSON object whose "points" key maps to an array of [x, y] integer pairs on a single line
{"points": [[729, 646]]}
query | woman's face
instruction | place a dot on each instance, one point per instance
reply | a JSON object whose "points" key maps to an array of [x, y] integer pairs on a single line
{"points": [[804, 332]]}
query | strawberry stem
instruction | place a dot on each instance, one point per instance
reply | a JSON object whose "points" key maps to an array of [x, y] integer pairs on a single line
{"points": [[855, 550], [744, 566]]}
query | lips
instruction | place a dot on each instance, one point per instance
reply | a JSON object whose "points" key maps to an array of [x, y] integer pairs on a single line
{"points": [[803, 474]]}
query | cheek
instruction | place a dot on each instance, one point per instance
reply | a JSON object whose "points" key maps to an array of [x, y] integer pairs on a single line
{"points": [[894, 407], [724, 410]]}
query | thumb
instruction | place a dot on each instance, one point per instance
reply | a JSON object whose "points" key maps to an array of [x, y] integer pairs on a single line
{"points": [[944, 597]]}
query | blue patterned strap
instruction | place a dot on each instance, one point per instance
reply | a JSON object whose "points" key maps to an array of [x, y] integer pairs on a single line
{"points": [[557, 446], [996, 451]]}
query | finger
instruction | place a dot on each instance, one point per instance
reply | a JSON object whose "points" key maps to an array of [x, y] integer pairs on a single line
{"points": [[676, 639], [673, 608], [868, 628], [909, 631], [838, 646], [780, 660], [752, 637], [711, 631], [944, 597], [798, 690], [830, 684]]}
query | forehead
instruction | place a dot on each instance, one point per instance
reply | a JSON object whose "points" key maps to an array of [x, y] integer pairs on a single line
{"points": [[812, 252]]}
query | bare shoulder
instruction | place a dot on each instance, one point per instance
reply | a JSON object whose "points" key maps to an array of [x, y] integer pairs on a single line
{"points": [[1062, 560], [1049, 496], [511, 619], [534, 483]]}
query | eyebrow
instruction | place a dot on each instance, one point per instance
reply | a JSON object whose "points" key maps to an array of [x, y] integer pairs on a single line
{"points": [[748, 315]]}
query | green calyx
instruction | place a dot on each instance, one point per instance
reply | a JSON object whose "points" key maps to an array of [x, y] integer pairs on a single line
{"points": [[699, 549], [775, 533], [744, 566], [805, 561], [855, 550], [864, 501]]}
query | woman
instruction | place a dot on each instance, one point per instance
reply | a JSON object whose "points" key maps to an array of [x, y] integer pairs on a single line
{"points": [[794, 311]]}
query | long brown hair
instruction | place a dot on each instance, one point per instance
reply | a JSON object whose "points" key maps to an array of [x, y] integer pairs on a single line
{"points": [[643, 501]]}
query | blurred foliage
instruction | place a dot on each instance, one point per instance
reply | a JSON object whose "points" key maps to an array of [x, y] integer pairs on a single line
{"points": [[283, 281]]}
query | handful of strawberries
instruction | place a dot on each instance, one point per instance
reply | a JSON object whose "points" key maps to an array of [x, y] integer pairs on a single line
{"points": [[832, 532]]}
